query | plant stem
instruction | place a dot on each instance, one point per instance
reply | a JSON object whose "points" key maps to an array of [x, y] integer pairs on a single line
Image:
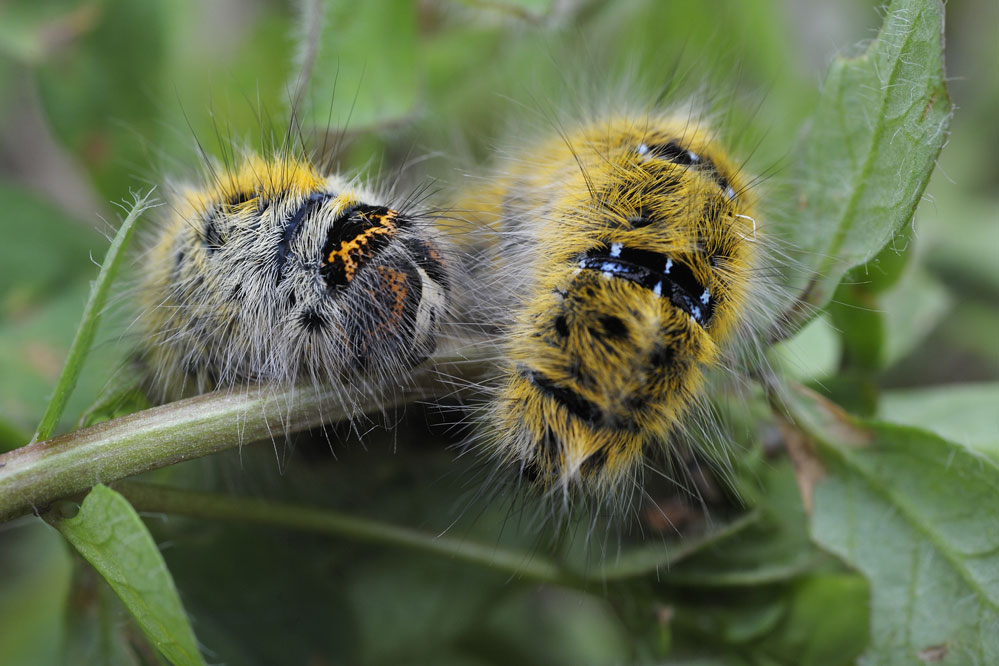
{"points": [[148, 497], [33, 476], [84, 337]]}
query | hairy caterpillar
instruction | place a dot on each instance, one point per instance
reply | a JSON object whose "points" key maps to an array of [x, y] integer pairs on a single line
{"points": [[273, 271], [628, 247]]}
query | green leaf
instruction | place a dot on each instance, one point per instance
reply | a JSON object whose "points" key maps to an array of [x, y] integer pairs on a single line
{"points": [[878, 327], [34, 591], [114, 404], [109, 534], [52, 249], [551, 626], [100, 90], [873, 143], [31, 31], [963, 241], [773, 549], [364, 56], [912, 309], [963, 413], [919, 516], [88, 326], [826, 623], [811, 354]]}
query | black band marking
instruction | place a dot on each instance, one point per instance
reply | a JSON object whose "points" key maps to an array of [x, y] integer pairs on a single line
{"points": [[294, 224], [656, 272]]}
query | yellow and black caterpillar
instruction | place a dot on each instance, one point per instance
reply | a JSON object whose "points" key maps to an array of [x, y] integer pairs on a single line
{"points": [[276, 272], [628, 248]]}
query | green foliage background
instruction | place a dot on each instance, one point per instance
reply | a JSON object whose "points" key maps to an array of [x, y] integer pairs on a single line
{"points": [[896, 561]]}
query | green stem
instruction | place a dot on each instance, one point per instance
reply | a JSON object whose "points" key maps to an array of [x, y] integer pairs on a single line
{"points": [[657, 559], [33, 476], [642, 561], [147, 497], [84, 337]]}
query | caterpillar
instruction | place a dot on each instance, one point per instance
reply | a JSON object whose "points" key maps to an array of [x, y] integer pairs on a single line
{"points": [[628, 246], [273, 271]]}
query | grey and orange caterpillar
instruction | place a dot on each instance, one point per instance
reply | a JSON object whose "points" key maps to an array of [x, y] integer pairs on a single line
{"points": [[629, 246], [275, 272]]}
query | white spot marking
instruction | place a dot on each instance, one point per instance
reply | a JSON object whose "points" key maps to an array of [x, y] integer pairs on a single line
{"points": [[705, 297], [658, 289], [746, 217], [669, 266], [615, 249]]}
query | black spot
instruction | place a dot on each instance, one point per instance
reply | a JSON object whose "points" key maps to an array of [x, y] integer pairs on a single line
{"points": [[613, 327], [639, 189], [636, 402], [530, 472], [662, 356], [594, 463], [712, 211], [241, 198], [677, 154], [576, 404], [561, 327], [312, 321], [640, 220], [211, 237], [292, 299], [723, 183], [549, 446]]}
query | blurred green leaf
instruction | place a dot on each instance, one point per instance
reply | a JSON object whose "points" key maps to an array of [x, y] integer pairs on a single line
{"points": [[34, 592], [363, 63], [30, 31], [430, 603], [964, 413], [964, 243], [32, 349], [52, 249], [873, 142], [813, 353], [114, 405], [773, 549], [548, 626], [827, 621], [919, 516], [11, 436], [105, 86], [911, 310], [109, 534]]}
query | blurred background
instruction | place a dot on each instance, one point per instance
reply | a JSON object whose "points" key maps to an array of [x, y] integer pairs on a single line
{"points": [[100, 98]]}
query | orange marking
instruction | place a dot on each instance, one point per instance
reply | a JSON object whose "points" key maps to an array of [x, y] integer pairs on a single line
{"points": [[359, 243]]}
